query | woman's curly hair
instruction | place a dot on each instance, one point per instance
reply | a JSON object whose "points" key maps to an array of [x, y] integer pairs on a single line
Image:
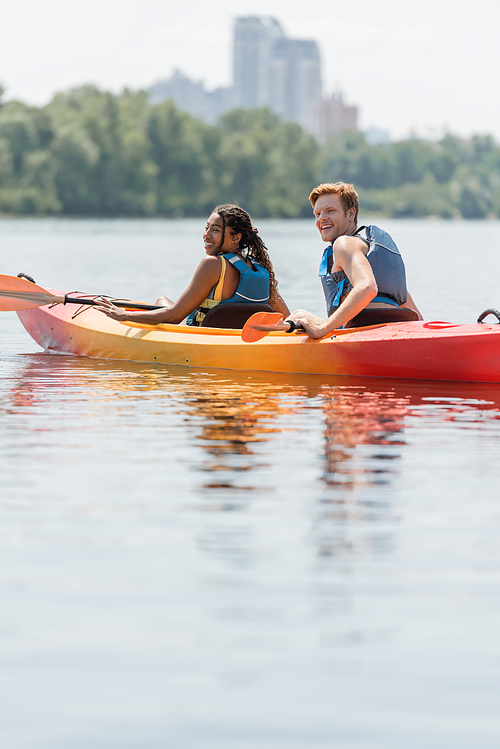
{"points": [[240, 222]]}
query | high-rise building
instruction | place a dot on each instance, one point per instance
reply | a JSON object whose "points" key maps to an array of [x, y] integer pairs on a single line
{"points": [[295, 74], [274, 71], [254, 39]]}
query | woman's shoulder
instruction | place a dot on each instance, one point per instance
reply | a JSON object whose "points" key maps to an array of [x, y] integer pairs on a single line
{"points": [[211, 262], [209, 267]]}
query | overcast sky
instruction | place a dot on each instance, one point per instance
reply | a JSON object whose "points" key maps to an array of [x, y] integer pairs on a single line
{"points": [[427, 65]]}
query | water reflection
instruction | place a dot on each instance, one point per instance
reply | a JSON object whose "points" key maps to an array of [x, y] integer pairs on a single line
{"points": [[231, 442], [357, 417], [233, 416], [364, 440], [368, 425]]}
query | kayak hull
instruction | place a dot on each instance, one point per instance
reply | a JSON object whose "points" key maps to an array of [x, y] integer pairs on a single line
{"points": [[415, 350]]}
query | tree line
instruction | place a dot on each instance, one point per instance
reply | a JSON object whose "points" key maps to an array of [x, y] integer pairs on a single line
{"points": [[92, 153]]}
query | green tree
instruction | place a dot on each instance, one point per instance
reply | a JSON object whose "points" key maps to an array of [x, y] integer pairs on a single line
{"points": [[76, 155], [176, 148], [472, 203], [92, 152], [265, 165], [412, 159]]}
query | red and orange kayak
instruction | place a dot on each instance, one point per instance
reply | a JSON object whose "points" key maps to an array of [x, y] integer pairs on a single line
{"points": [[417, 350]]}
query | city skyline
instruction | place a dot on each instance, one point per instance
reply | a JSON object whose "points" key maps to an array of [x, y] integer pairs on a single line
{"points": [[269, 70], [429, 71]]}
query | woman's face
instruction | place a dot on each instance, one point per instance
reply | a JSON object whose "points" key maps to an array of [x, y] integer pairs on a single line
{"points": [[212, 237]]}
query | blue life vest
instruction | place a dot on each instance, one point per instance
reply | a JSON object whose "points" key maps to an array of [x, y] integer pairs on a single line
{"points": [[387, 266], [253, 288]]}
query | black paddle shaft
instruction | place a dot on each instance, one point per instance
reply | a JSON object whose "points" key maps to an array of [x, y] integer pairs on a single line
{"points": [[125, 305]]}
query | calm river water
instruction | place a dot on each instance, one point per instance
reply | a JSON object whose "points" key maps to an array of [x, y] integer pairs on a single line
{"points": [[210, 560]]}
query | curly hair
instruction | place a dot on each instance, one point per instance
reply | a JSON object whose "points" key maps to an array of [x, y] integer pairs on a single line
{"points": [[240, 222]]}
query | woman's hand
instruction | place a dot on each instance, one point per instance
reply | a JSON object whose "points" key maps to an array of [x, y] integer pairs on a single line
{"points": [[109, 309]]}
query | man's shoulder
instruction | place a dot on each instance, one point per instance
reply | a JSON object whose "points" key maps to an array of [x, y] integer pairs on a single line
{"points": [[349, 242]]}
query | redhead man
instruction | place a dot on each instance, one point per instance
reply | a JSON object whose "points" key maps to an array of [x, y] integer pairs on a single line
{"points": [[359, 274]]}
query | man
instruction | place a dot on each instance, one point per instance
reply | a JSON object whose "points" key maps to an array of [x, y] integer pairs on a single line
{"points": [[357, 274]]}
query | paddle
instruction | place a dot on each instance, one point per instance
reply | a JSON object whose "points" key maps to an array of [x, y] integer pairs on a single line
{"points": [[259, 325], [18, 293]]}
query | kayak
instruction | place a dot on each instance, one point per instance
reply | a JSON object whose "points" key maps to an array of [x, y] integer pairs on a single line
{"points": [[434, 350]]}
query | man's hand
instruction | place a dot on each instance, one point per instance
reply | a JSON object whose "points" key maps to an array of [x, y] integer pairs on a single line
{"points": [[314, 326]]}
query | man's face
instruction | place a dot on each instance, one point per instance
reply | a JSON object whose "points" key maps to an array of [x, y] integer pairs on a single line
{"points": [[331, 220]]}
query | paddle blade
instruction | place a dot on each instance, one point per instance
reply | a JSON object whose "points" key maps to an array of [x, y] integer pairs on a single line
{"points": [[250, 335], [18, 293]]}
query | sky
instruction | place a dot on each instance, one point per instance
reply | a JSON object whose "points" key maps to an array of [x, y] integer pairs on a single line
{"points": [[427, 67]]}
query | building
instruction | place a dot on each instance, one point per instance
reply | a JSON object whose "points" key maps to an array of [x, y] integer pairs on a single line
{"points": [[331, 115], [192, 97], [254, 40], [271, 70], [295, 74]]}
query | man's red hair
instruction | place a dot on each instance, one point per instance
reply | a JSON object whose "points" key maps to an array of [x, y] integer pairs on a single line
{"points": [[347, 195]]}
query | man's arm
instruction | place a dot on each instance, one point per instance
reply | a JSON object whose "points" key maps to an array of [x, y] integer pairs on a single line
{"points": [[350, 258]]}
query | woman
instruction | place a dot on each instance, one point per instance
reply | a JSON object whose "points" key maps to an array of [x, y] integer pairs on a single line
{"points": [[237, 268]]}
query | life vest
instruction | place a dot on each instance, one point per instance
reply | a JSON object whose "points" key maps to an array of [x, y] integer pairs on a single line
{"points": [[387, 266], [253, 288]]}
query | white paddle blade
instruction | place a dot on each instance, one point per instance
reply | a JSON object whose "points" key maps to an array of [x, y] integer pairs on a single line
{"points": [[18, 293]]}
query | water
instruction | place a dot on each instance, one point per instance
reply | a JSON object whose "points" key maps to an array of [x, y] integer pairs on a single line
{"points": [[201, 560]]}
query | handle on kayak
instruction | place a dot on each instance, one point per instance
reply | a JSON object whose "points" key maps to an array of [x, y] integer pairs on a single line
{"points": [[490, 311]]}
